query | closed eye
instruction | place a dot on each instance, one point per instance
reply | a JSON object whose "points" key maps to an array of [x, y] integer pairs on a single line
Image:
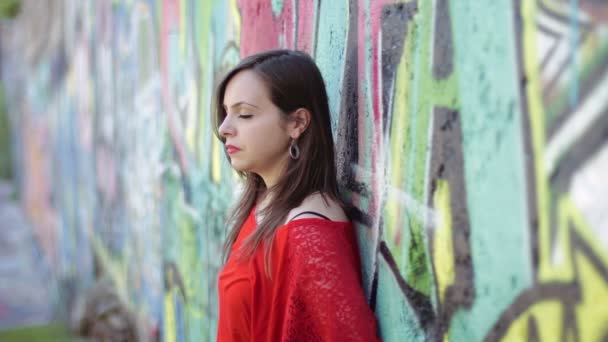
{"points": [[245, 116]]}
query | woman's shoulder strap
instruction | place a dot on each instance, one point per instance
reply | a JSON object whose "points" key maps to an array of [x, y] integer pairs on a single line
{"points": [[311, 213]]}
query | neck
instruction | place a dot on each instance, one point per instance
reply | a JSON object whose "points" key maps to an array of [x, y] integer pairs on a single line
{"points": [[262, 203], [272, 175]]}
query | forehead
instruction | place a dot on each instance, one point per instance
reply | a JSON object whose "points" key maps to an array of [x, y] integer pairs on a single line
{"points": [[246, 86]]}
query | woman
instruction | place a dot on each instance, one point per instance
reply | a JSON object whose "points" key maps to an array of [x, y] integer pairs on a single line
{"points": [[292, 268]]}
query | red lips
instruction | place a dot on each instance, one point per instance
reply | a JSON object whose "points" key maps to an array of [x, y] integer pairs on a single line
{"points": [[230, 149]]}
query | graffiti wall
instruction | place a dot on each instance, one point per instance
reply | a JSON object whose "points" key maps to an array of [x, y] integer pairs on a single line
{"points": [[472, 140]]}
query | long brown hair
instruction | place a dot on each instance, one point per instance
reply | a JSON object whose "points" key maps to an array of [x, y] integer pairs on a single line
{"points": [[294, 81]]}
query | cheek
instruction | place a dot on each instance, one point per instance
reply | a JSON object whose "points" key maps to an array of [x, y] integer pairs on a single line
{"points": [[269, 135]]}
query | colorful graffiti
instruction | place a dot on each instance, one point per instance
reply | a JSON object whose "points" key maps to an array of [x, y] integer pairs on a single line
{"points": [[471, 142]]}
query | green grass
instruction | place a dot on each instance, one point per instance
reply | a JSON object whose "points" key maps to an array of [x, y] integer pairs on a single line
{"points": [[9, 8], [5, 140], [45, 333]]}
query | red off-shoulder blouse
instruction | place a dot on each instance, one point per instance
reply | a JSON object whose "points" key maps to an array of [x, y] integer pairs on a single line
{"points": [[314, 294]]}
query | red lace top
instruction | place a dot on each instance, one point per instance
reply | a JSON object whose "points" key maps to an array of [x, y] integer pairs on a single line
{"points": [[315, 293]]}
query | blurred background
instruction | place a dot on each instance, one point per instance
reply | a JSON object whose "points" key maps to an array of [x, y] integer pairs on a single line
{"points": [[472, 138]]}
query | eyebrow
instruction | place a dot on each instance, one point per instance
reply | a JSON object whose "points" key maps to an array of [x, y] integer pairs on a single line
{"points": [[240, 103]]}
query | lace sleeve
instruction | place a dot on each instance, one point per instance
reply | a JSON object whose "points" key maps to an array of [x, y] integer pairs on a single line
{"points": [[325, 300]]}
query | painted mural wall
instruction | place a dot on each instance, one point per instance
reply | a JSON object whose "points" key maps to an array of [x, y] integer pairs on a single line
{"points": [[472, 138]]}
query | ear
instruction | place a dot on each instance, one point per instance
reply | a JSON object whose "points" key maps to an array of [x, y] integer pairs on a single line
{"points": [[298, 123]]}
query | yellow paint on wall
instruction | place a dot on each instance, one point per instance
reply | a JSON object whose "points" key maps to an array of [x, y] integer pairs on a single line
{"points": [[560, 265], [115, 268], [233, 19], [549, 318], [236, 17], [169, 334], [191, 113], [592, 312], [589, 48], [537, 129], [216, 168], [583, 229], [591, 318], [561, 258], [555, 259], [182, 26], [443, 250], [397, 150]]}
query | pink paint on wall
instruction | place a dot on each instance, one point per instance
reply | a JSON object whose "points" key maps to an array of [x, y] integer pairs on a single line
{"points": [[261, 30], [369, 73], [306, 17], [37, 185], [169, 25], [375, 17]]}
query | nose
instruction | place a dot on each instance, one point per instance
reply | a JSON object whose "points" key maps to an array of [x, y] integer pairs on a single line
{"points": [[226, 128]]}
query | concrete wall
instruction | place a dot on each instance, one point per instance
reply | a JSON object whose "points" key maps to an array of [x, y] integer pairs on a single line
{"points": [[472, 137]]}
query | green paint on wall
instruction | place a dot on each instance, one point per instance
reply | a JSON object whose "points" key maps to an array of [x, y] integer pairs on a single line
{"points": [[397, 319], [5, 139], [331, 49], [277, 7], [494, 162]]}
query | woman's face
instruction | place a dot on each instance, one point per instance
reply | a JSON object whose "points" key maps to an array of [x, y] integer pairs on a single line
{"points": [[254, 128]]}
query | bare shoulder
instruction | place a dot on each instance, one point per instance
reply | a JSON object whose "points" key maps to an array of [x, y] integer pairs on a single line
{"points": [[316, 203]]}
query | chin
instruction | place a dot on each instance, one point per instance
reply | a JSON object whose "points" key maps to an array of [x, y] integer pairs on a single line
{"points": [[240, 166]]}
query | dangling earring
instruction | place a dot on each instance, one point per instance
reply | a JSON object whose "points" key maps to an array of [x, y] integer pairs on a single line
{"points": [[294, 150]]}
